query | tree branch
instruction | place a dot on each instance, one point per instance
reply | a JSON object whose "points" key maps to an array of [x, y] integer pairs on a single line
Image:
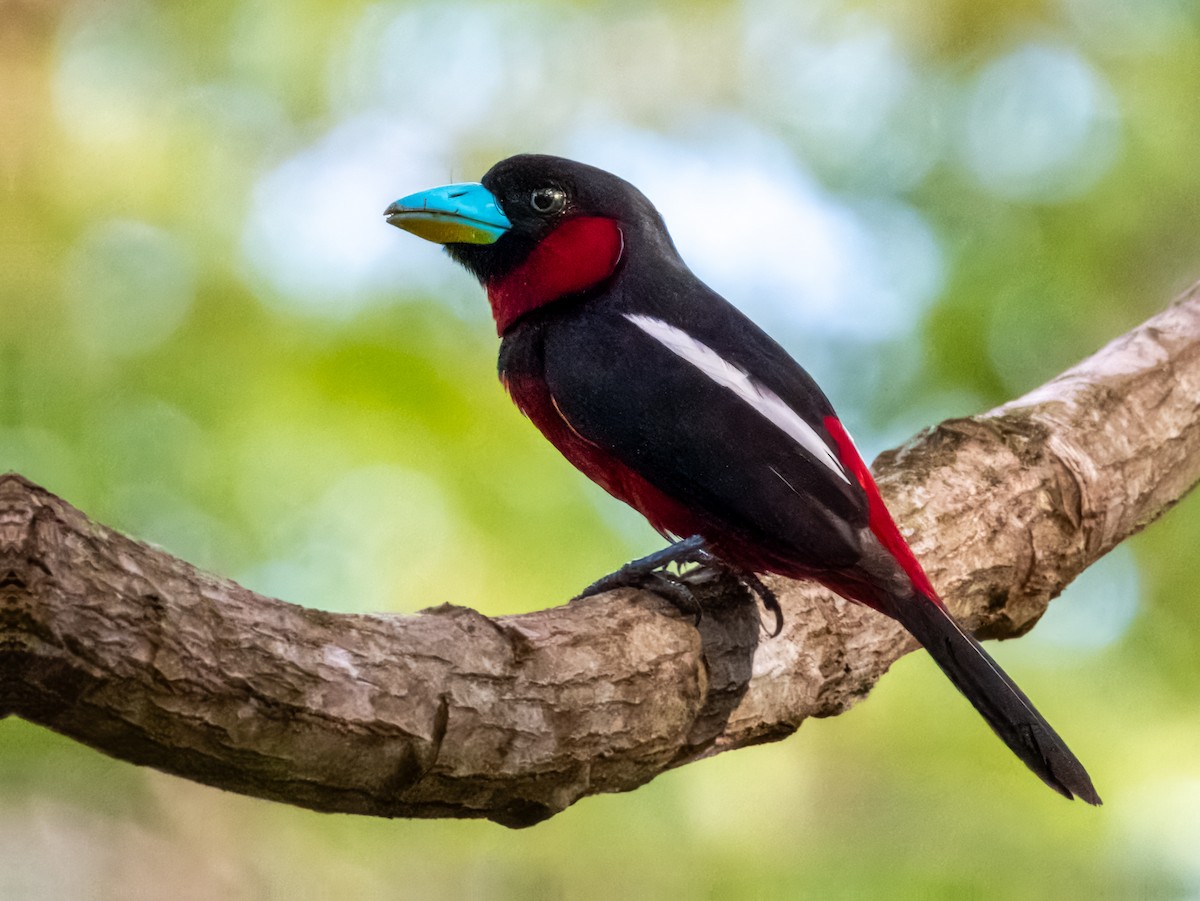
{"points": [[450, 713]]}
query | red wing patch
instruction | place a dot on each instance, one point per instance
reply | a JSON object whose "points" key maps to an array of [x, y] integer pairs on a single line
{"points": [[880, 520]]}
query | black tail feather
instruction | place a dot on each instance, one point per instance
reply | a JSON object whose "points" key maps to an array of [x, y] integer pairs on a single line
{"points": [[989, 689]]}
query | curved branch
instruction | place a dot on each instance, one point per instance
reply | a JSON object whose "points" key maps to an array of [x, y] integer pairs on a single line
{"points": [[451, 713]]}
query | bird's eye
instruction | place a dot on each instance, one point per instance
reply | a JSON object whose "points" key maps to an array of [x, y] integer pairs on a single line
{"points": [[548, 200]]}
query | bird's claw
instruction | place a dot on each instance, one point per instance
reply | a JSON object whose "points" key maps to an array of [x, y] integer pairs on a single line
{"points": [[765, 594], [647, 573]]}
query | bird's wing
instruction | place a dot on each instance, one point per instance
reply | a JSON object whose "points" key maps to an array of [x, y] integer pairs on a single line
{"points": [[742, 454]]}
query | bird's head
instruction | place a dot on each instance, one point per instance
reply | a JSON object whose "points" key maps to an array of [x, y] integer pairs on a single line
{"points": [[536, 229]]}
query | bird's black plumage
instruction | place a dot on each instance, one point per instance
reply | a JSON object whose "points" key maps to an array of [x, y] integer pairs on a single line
{"points": [[623, 391]]}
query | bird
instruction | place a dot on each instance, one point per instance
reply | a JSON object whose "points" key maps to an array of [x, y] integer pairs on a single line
{"points": [[675, 402]]}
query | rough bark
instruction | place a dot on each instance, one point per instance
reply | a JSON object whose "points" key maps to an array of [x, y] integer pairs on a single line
{"points": [[451, 713]]}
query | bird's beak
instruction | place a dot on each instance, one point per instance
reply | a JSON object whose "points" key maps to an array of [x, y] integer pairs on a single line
{"points": [[451, 214]]}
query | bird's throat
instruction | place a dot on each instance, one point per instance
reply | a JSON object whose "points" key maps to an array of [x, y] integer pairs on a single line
{"points": [[577, 256]]}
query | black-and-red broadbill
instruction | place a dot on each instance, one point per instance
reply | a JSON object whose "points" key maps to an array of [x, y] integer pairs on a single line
{"points": [[676, 403]]}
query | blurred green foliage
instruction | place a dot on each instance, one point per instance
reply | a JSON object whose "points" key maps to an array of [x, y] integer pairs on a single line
{"points": [[212, 342]]}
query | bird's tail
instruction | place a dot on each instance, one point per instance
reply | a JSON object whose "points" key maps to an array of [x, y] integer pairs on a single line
{"points": [[989, 689]]}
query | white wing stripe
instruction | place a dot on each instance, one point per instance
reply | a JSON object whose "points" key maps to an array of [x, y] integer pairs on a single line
{"points": [[725, 374]]}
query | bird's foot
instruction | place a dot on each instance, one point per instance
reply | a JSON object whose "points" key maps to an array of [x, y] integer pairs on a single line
{"points": [[647, 573], [756, 586]]}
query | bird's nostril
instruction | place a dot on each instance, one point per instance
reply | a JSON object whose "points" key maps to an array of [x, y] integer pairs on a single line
{"points": [[456, 194]]}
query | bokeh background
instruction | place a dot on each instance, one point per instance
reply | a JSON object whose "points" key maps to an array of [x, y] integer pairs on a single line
{"points": [[210, 339]]}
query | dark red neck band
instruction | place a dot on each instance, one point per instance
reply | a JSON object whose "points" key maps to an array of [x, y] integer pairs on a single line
{"points": [[576, 256]]}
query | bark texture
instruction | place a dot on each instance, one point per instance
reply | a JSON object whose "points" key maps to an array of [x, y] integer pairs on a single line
{"points": [[451, 713]]}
